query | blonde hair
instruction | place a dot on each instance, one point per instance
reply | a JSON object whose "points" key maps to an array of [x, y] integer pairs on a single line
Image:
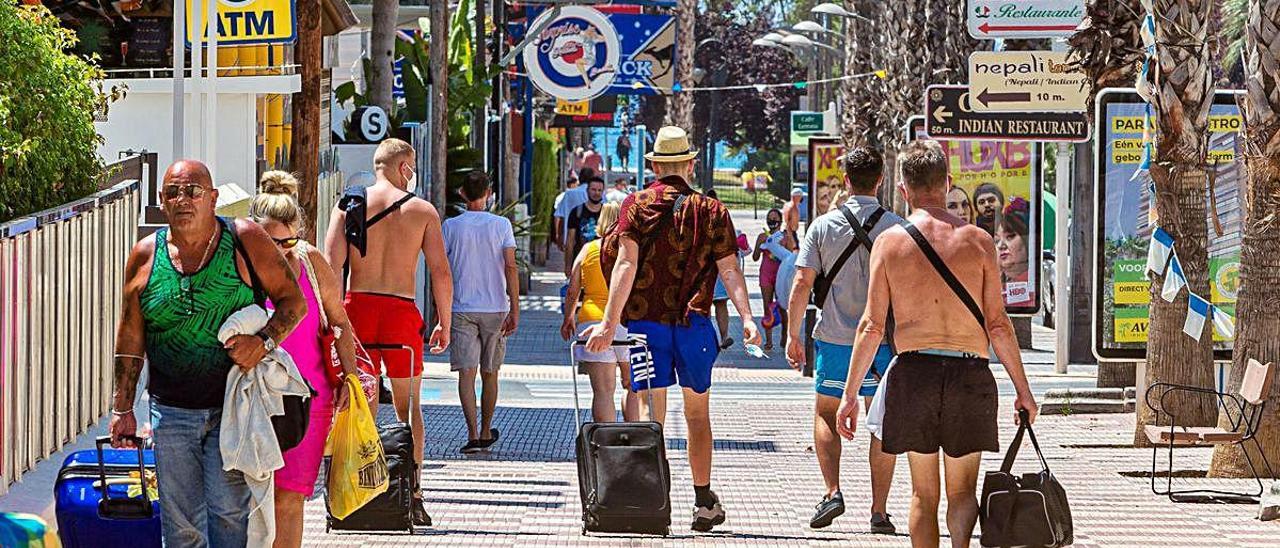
{"points": [[277, 200], [608, 217], [390, 150]]}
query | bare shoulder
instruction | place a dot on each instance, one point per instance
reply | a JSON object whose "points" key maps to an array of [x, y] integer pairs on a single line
{"points": [[248, 230], [144, 248], [423, 209], [975, 235]]}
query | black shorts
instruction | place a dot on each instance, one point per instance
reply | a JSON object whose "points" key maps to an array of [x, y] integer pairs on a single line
{"points": [[934, 402]]}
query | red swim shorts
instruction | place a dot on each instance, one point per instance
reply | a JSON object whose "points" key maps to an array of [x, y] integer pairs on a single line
{"points": [[386, 320]]}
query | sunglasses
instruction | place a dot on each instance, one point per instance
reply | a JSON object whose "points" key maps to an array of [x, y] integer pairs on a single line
{"points": [[172, 192], [287, 243]]}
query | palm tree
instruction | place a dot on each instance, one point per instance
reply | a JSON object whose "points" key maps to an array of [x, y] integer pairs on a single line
{"points": [[1256, 321], [382, 45], [680, 108], [1181, 92]]}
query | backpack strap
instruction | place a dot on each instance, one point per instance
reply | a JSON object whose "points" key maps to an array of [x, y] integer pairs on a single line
{"points": [[389, 210], [947, 275], [255, 283]]}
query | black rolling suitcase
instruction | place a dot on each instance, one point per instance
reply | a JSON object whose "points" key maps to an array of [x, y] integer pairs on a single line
{"points": [[623, 475], [392, 510]]}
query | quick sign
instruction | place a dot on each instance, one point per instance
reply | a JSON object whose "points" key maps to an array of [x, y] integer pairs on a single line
{"points": [[1025, 81], [245, 21], [575, 57], [806, 121], [949, 115], [990, 19], [646, 42]]}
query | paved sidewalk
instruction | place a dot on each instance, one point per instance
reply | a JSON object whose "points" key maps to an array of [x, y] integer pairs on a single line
{"points": [[525, 491]]}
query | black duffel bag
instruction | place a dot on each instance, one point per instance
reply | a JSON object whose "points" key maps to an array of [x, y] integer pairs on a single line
{"points": [[1030, 510]]}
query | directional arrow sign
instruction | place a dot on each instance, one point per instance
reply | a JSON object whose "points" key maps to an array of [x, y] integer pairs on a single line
{"points": [[1025, 81], [951, 116], [989, 19]]}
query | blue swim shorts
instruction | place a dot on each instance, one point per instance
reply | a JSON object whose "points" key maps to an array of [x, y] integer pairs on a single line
{"points": [[683, 354], [832, 370]]}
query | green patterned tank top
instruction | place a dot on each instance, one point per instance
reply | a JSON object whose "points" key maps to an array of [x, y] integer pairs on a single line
{"points": [[182, 314]]}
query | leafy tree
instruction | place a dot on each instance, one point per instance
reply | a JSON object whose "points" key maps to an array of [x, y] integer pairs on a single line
{"points": [[746, 117], [48, 101]]}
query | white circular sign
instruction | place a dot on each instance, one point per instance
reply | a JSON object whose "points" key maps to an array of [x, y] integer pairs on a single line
{"points": [[374, 123], [576, 56]]}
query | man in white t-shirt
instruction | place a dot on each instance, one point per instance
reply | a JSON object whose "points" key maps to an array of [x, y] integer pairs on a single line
{"points": [[566, 202], [486, 304]]}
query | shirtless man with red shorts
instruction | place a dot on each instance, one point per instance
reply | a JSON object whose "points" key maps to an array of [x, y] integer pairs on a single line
{"points": [[380, 290]]}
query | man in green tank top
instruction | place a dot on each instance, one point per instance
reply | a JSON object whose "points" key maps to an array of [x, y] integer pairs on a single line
{"points": [[181, 284]]}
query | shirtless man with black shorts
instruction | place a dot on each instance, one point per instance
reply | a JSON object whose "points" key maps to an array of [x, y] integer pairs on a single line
{"points": [[380, 290], [939, 392]]}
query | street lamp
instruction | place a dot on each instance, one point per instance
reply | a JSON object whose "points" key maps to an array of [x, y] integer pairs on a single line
{"points": [[829, 8], [800, 40], [810, 26]]}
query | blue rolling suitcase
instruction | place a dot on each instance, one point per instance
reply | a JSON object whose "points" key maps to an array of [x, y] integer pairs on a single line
{"points": [[87, 518]]}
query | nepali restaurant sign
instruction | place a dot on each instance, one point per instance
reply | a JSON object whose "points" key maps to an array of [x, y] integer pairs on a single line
{"points": [[1025, 81], [990, 19], [244, 22], [575, 57]]}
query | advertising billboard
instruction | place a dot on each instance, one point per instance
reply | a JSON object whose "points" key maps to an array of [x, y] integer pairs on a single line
{"points": [[826, 177], [1124, 221]]}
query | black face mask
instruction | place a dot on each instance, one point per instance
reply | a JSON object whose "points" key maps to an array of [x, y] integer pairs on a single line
{"points": [[595, 202], [773, 225]]}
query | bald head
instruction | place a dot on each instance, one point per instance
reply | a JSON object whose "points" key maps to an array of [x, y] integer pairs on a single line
{"points": [[189, 172]]}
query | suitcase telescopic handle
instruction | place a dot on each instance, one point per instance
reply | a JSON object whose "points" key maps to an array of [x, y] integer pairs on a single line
{"points": [[142, 465]]}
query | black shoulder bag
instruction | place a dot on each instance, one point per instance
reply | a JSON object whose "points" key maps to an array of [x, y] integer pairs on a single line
{"points": [[822, 283], [292, 425], [1030, 510]]}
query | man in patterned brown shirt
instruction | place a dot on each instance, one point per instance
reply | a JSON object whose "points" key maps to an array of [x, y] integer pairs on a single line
{"points": [[662, 259]]}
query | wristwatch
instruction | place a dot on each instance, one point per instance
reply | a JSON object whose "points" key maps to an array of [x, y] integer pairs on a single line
{"points": [[267, 342]]}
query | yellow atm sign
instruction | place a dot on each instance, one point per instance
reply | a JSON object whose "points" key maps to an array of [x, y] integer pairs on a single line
{"points": [[244, 21]]}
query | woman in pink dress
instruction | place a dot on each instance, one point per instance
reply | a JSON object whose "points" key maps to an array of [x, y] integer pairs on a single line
{"points": [[276, 209]]}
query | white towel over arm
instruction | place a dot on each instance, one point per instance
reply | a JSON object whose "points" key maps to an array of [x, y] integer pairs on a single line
{"points": [[248, 441]]}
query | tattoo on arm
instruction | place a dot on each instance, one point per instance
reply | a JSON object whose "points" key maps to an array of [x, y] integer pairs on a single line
{"points": [[127, 370]]}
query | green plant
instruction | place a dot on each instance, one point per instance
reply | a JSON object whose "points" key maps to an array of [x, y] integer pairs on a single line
{"points": [[49, 99], [546, 172]]}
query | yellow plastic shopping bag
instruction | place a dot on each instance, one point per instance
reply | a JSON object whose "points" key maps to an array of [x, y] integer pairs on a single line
{"points": [[358, 470]]}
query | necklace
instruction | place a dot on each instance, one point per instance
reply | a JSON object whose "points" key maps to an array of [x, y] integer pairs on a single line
{"points": [[184, 280], [182, 269]]}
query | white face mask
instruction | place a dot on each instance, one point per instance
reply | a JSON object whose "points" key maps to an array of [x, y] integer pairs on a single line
{"points": [[411, 182]]}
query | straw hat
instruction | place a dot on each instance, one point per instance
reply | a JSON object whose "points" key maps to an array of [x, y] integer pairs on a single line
{"points": [[671, 145]]}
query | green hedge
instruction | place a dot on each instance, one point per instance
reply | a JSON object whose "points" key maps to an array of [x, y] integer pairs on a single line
{"points": [[546, 181], [48, 100]]}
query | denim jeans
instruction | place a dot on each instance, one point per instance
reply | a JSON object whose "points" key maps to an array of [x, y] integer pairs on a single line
{"points": [[200, 504]]}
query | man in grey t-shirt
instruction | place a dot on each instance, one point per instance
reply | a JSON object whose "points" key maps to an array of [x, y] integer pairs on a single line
{"points": [[827, 240]]}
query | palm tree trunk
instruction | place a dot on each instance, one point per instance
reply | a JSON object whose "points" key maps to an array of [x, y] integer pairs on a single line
{"points": [[1256, 320], [382, 46], [439, 102], [1182, 95], [680, 108]]}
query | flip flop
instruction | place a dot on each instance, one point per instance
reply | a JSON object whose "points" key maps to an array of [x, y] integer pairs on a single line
{"points": [[493, 437]]}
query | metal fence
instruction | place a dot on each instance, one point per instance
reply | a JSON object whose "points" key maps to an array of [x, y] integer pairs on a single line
{"points": [[61, 273]]}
